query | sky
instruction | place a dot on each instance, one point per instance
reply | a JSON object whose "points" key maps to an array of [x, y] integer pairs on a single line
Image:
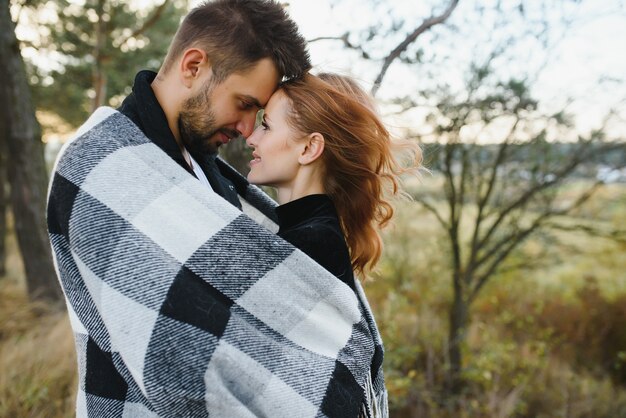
{"points": [[582, 54], [571, 68]]}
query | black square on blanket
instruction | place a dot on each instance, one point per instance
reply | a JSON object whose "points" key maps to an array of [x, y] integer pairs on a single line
{"points": [[343, 395], [102, 378], [195, 302], [60, 205]]}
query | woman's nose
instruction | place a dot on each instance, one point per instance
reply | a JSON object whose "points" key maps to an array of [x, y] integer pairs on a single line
{"points": [[251, 139]]}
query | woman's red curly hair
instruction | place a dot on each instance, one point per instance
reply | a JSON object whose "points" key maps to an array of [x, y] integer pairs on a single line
{"points": [[360, 158]]}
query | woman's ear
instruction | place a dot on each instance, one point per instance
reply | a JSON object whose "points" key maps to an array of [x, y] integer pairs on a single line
{"points": [[313, 149], [193, 64]]}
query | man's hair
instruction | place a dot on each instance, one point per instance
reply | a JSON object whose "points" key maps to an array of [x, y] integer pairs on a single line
{"points": [[236, 34]]}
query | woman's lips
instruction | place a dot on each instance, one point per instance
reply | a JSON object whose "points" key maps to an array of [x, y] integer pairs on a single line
{"points": [[255, 159]]}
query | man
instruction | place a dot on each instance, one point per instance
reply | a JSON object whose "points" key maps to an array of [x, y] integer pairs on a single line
{"points": [[182, 305], [208, 93]]}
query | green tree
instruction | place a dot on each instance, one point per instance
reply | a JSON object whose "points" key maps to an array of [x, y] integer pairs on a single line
{"points": [[96, 48], [85, 56], [496, 196]]}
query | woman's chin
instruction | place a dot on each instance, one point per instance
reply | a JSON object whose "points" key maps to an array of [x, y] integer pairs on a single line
{"points": [[255, 180]]}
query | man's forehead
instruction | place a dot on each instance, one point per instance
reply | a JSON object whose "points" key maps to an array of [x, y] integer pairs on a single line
{"points": [[258, 83], [258, 96]]}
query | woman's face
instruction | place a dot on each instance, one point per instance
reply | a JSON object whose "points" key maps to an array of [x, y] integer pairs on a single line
{"points": [[275, 146]]}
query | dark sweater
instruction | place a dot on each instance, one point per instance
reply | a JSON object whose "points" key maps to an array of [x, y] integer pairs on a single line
{"points": [[311, 224]]}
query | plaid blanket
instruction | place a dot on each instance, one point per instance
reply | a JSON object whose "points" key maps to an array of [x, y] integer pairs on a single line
{"points": [[183, 306]]}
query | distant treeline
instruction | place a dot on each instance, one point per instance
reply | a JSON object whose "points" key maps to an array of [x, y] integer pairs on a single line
{"points": [[546, 154]]}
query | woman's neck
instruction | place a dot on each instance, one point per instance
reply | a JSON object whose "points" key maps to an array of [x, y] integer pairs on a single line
{"points": [[287, 194], [305, 183]]}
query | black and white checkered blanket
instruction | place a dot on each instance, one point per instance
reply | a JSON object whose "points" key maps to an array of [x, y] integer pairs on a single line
{"points": [[183, 306]]}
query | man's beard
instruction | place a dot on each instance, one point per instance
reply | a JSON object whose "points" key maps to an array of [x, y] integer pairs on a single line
{"points": [[196, 123]]}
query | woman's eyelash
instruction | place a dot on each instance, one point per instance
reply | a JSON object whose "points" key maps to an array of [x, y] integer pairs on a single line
{"points": [[264, 125]]}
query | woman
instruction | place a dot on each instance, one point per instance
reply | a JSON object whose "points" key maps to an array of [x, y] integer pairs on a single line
{"points": [[321, 140], [334, 165]]}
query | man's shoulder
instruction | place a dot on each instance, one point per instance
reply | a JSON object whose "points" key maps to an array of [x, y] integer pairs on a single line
{"points": [[108, 122], [106, 131]]}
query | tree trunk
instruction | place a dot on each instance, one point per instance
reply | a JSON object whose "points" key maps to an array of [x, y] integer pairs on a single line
{"points": [[458, 324], [99, 74], [100, 86], [26, 166], [3, 194]]}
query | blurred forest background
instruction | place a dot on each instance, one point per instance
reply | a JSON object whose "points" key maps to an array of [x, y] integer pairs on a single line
{"points": [[502, 291]]}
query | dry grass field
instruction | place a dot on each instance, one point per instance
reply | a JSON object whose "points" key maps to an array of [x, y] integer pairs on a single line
{"points": [[543, 343]]}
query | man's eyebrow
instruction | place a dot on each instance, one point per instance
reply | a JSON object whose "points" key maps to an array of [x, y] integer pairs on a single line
{"points": [[252, 100]]}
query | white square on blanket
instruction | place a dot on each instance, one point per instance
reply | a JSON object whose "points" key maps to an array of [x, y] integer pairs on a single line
{"points": [[77, 325], [81, 403], [130, 326], [137, 410], [317, 317], [118, 181], [239, 386], [324, 330], [179, 223]]}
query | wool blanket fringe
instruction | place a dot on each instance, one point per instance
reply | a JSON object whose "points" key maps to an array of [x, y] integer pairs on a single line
{"points": [[183, 306]]}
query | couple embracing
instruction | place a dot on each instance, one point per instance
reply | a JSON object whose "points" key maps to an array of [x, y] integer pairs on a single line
{"points": [[190, 292]]}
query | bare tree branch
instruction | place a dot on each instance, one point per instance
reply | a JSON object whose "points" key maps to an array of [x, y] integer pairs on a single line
{"points": [[482, 201], [346, 43], [502, 253], [618, 235], [448, 172], [431, 208], [505, 246], [156, 15], [526, 265], [393, 55], [529, 193], [343, 38], [465, 167]]}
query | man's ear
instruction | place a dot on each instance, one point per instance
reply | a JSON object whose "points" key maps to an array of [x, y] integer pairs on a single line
{"points": [[313, 149], [193, 64]]}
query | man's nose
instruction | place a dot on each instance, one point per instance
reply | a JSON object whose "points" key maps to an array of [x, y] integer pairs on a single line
{"points": [[246, 125]]}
